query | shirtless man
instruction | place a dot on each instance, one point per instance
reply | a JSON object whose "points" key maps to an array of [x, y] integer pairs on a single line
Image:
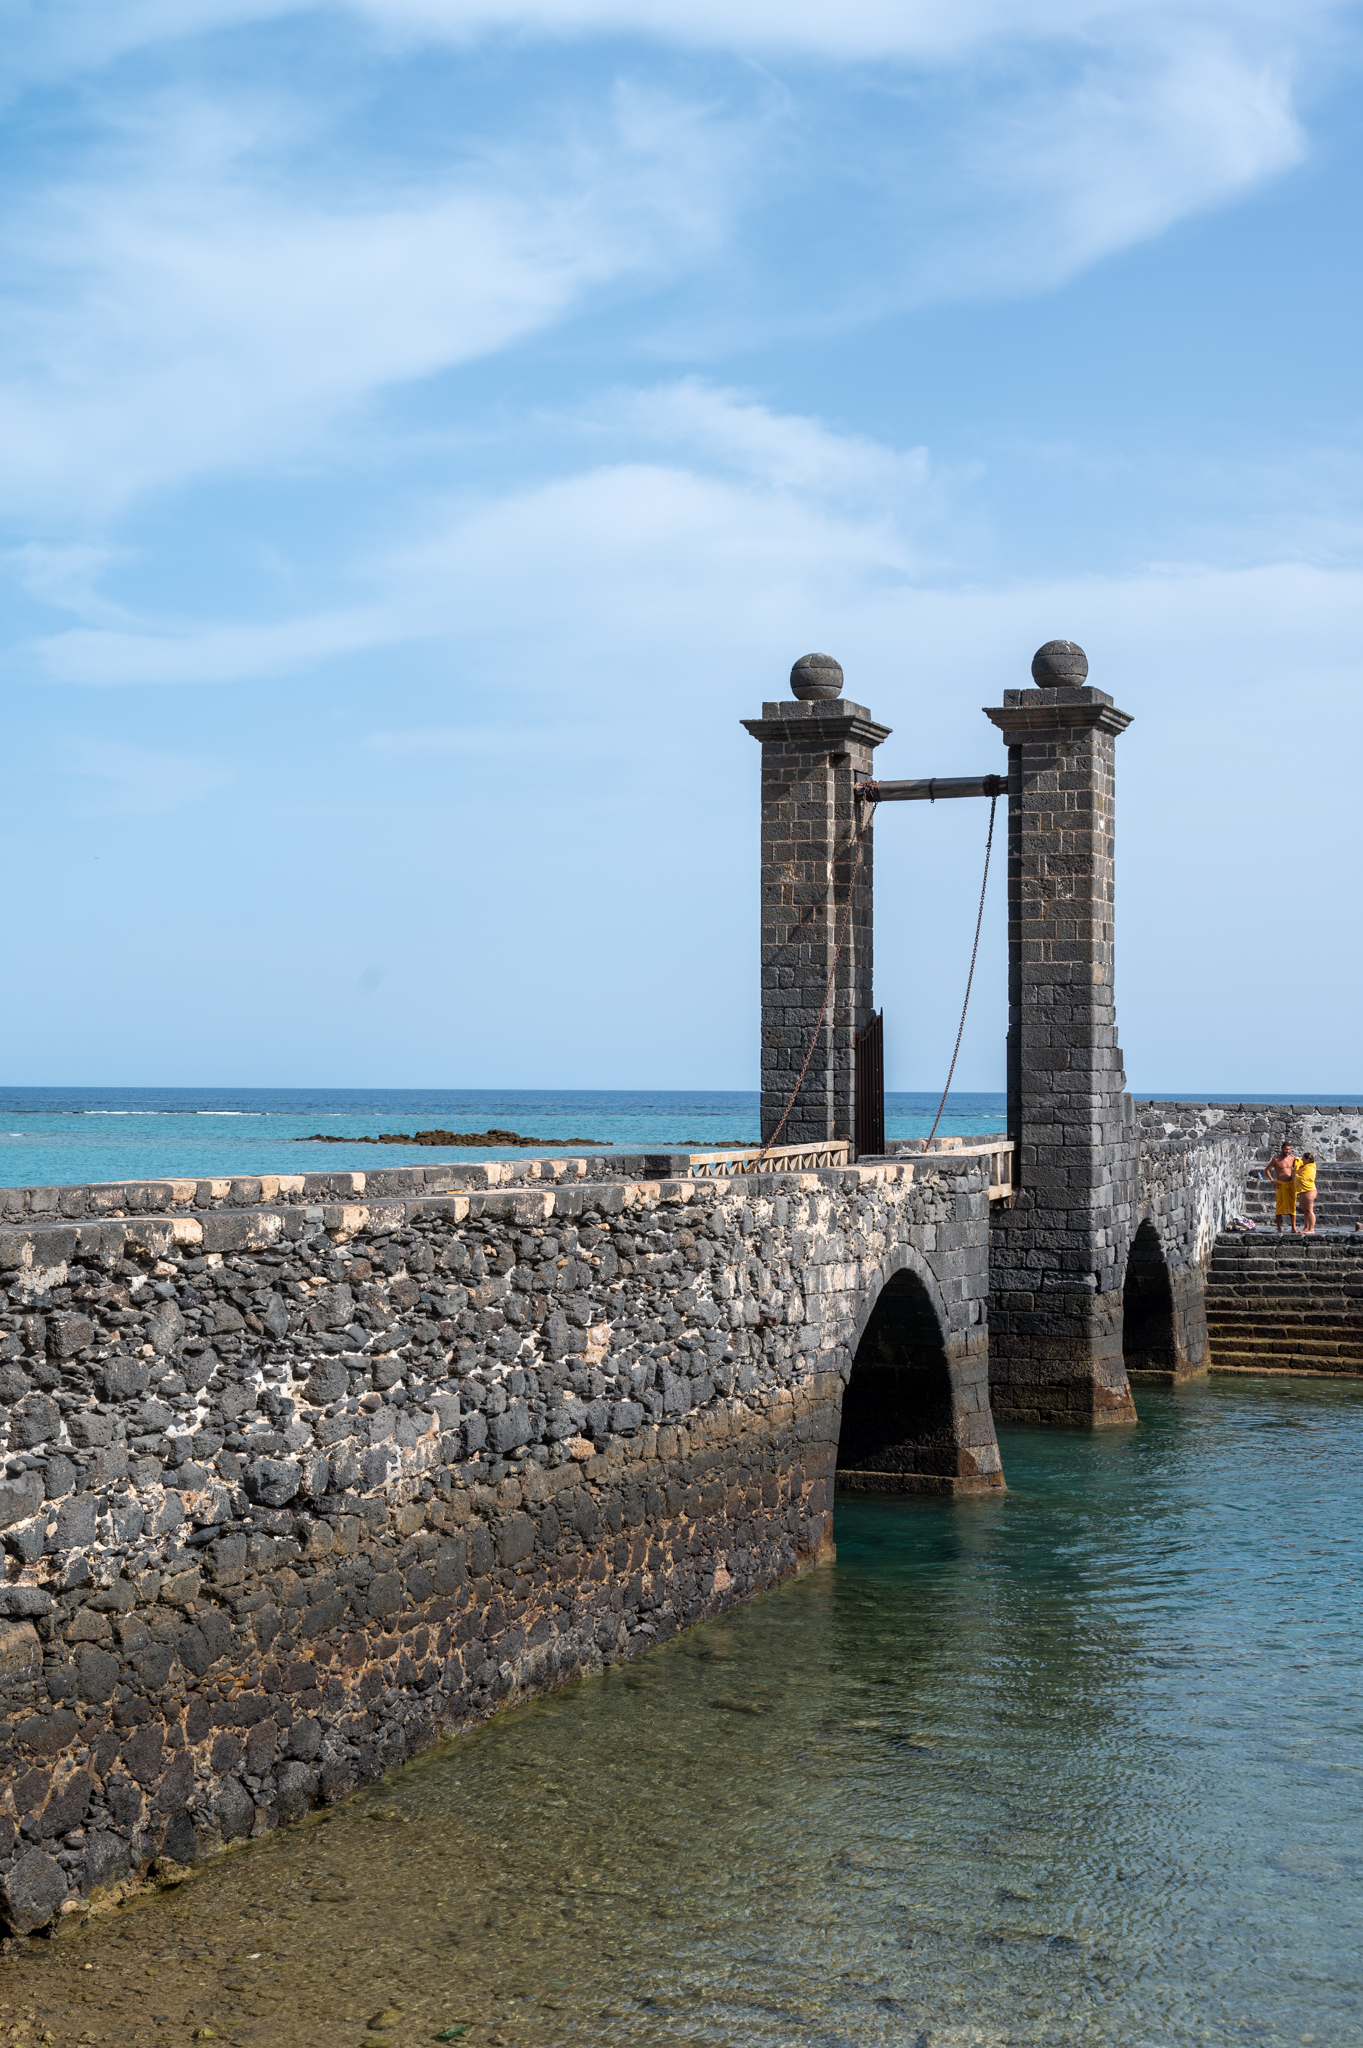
{"points": [[1282, 1170]]}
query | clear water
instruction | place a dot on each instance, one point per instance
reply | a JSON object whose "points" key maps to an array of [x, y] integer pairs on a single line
{"points": [[1078, 1764], [62, 1137]]}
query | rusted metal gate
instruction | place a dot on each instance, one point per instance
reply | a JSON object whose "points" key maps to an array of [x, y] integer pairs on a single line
{"points": [[870, 1046]]}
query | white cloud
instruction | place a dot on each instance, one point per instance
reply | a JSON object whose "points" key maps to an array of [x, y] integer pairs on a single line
{"points": [[762, 529], [783, 450], [1128, 146], [199, 313], [532, 562], [211, 653], [193, 295], [66, 575], [641, 608], [760, 500], [118, 780], [919, 31]]}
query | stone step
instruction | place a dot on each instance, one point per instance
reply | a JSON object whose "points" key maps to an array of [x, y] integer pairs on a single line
{"points": [[1305, 1316], [1239, 1315], [1285, 1303], [1283, 1297], [1284, 1340], [1286, 1272], [1267, 1361], [1266, 1239], [1339, 1346], [1288, 1283], [1320, 1301], [1300, 1331]]}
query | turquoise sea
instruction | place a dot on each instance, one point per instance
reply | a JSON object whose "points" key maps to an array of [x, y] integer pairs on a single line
{"points": [[52, 1137]]}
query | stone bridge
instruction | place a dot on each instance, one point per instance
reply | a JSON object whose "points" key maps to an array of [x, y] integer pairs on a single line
{"points": [[1099, 1254], [303, 1471]]}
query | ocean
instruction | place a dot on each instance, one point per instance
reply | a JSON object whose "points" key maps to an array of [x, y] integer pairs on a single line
{"points": [[62, 1137]]}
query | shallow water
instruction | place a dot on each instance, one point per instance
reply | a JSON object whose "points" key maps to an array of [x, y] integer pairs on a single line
{"points": [[1081, 1763]]}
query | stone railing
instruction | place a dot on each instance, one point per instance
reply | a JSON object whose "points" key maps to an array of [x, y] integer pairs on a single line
{"points": [[775, 1159], [124, 1198], [997, 1149], [119, 1200]]}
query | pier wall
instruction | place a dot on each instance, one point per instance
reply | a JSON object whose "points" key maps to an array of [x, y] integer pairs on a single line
{"points": [[293, 1487]]}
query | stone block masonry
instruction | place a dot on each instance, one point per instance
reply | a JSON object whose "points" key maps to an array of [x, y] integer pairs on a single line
{"points": [[815, 751], [292, 1488], [1059, 1250]]}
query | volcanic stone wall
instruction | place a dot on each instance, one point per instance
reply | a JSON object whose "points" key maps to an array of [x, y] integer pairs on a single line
{"points": [[290, 1490], [1333, 1132], [1193, 1159]]}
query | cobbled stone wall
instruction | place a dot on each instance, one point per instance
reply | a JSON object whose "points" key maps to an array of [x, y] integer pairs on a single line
{"points": [[1334, 1132], [292, 1488]]}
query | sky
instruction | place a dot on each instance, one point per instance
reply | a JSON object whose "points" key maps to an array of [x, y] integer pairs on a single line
{"points": [[427, 427]]}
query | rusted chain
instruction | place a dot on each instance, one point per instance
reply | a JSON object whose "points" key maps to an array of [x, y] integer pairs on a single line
{"points": [[988, 845]]}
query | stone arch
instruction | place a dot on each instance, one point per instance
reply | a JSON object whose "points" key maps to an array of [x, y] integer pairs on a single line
{"points": [[915, 1408], [1149, 1320], [902, 1258]]}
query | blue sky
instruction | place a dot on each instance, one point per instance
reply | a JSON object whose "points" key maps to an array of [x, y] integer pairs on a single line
{"points": [[426, 429]]}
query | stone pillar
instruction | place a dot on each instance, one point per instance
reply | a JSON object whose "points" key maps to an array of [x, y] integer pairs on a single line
{"points": [[1058, 1249], [815, 749]]}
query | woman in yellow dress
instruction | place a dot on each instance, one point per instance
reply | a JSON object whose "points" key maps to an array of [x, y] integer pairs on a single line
{"points": [[1282, 1171], [1306, 1191]]}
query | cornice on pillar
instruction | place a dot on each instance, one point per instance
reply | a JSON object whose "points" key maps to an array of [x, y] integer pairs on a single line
{"points": [[816, 725], [1027, 712]]}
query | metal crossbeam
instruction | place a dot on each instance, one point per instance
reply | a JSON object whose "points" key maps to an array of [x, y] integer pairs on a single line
{"points": [[929, 789]]}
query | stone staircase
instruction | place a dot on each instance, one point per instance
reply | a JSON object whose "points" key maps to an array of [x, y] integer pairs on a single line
{"points": [[1339, 1198], [1286, 1304]]}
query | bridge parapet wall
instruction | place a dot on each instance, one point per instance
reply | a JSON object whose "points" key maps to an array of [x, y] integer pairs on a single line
{"points": [[1334, 1132], [300, 1190], [291, 1489]]}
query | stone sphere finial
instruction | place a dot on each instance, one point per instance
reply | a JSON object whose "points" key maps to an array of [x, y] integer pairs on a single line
{"points": [[816, 678], [1059, 665]]}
